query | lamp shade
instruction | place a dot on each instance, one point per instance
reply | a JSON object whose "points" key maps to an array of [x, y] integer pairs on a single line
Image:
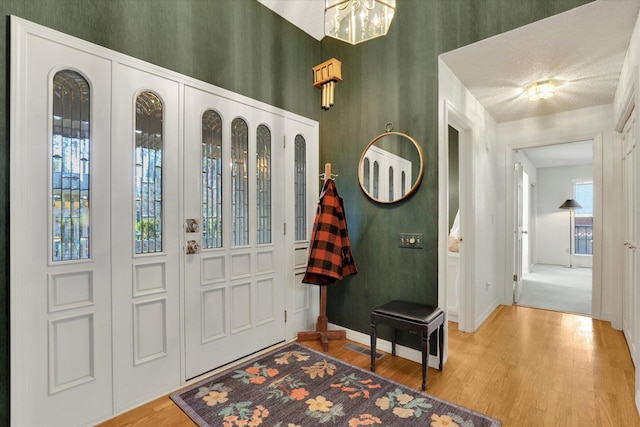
{"points": [[570, 204]]}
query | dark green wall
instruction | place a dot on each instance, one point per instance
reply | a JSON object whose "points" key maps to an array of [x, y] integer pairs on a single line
{"points": [[241, 46], [454, 175], [395, 79]]}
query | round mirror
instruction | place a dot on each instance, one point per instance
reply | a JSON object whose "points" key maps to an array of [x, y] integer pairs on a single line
{"points": [[391, 167]]}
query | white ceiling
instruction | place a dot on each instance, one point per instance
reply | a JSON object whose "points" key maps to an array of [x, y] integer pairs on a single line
{"points": [[571, 154], [308, 15], [583, 49]]}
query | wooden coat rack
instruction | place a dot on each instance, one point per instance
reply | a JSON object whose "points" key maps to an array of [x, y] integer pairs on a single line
{"points": [[322, 323]]}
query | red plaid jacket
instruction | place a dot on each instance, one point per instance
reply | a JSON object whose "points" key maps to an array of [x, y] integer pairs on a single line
{"points": [[330, 257]]}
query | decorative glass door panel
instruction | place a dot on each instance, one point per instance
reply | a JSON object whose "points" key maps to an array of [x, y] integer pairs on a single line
{"points": [[60, 242], [145, 235], [234, 286]]}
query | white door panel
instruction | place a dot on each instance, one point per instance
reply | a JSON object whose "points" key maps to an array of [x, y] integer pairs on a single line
{"points": [[234, 293], [63, 338], [303, 300], [629, 162], [146, 286], [518, 232]]}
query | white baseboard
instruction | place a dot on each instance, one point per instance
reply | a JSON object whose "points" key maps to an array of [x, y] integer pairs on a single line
{"points": [[384, 345]]}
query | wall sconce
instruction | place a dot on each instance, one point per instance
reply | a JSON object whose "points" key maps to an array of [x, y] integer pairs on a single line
{"points": [[540, 90], [355, 21], [325, 76]]}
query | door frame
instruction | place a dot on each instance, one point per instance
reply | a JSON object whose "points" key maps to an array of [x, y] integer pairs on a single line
{"points": [[463, 124], [510, 149]]}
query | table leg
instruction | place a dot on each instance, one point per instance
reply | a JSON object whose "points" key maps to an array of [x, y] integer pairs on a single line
{"points": [[425, 356], [441, 344], [394, 337]]}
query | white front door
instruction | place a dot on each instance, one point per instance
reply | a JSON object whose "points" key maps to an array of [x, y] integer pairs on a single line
{"points": [[234, 207], [145, 236], [629, 164], [107, 163], [60, 235]]}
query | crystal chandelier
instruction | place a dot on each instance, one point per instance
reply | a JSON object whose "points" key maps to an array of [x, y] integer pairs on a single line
{"points": [[356, 21]]}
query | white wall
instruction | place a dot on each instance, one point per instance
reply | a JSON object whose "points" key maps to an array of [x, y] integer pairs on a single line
{"points": [[578, 125], [481, 205], [555, 185]]}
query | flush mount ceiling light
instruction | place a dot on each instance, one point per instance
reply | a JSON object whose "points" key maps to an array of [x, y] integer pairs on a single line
{"points": [[355, 21], [540, 90]]}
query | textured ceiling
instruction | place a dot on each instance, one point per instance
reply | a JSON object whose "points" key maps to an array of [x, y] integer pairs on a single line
{"points": [[583, 49], [574, 153]]}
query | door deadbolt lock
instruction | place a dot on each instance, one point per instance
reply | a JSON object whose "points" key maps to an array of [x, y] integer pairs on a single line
{"points": [[191, 225]]}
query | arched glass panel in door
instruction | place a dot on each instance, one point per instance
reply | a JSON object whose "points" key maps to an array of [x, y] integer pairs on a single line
{"points": [[70, 167], [211, 180], [263, 178], [148, 175], [300, 187], [239, 182]]}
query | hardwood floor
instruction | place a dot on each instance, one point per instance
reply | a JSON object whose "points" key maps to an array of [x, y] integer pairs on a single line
{"points": [[524, 366]]}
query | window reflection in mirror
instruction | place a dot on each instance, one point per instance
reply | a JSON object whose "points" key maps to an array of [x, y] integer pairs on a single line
{"points": [[391, 162]]}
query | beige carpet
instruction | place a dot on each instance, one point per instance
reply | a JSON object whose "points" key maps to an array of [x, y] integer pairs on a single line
{"points": [[557, 288]]}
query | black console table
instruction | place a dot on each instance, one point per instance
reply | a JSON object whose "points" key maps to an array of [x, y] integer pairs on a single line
{"points": [[417, 318]]}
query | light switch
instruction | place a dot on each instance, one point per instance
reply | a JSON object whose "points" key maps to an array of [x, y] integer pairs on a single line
{"points": [[411, 240]]}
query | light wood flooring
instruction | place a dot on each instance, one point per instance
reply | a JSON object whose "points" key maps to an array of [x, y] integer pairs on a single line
{"points": [[524, 366]]}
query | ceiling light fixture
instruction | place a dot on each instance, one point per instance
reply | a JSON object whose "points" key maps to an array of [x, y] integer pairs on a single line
{"points": [[355, 21], [540, 90]]}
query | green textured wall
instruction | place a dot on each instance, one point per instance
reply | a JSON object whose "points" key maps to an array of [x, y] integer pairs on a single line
{"points": [[454, 175], [395, 79], [241, 46]]}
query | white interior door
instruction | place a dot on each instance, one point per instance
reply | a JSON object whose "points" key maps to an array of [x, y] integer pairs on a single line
{"points": [[526, 219], [145, 236], [629, 162], [234, 191], [518, 232], [60, 235]]}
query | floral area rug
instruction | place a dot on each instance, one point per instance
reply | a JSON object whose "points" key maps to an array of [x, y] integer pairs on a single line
{"points": [[295, 386]]}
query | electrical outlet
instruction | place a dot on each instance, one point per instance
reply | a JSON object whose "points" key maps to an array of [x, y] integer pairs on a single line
{"points": [[411, 240]]}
